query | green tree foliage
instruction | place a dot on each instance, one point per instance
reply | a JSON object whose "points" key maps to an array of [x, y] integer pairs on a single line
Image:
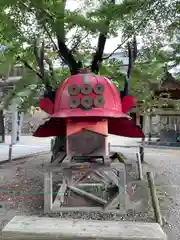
{"points": [[33, 28], [35, 31]]}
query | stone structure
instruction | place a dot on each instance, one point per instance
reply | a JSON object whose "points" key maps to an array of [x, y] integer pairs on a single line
{"points": [[169, 119], [54, 228], [163, 123]]}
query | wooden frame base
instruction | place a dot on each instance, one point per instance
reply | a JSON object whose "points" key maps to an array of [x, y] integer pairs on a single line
{"points": [[111, 177]]}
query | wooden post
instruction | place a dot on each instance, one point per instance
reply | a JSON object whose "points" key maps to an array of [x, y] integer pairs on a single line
{"points": [[150, 129], [10, 153], [2, 128], [14, 124], [109, 147], [47, 192], [52, 144], [138, 119], [20, 116], [139, 165], [18, 126], [154, 199], [141, 150]]}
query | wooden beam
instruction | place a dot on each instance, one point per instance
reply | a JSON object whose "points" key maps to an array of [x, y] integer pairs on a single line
{"points": [[74, 166], [154, 198], [166, 112], [114, 202], [82, 177], [87, 184], [59, 200], [90, 185], [88, 195], [79, 209], [102, 177], [139, 167], [59, 158], [31, 228]]}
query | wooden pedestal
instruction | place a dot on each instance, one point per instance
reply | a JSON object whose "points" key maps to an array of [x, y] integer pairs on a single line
{"points": [[86, 187]]}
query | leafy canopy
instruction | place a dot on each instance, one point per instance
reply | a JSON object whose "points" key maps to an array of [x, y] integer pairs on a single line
{"points": [[34, 28]]}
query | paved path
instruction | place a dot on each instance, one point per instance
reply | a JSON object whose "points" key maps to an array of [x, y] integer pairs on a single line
{"points": [[28, 145], [21, 151], [29, 140], [32, 145]]}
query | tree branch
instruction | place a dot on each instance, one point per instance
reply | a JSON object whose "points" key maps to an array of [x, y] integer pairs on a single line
{"points": [[134, 48], [51, 69], [97, 60], [51, 39], [40, 62], [77, 43], [69, 59], [26, 64], [130, 65], [39, 58], [119, 46], [29, 8], [53, 42], [63, 51], [133, 33], [42, 58], [49, 92], [132, 54]]}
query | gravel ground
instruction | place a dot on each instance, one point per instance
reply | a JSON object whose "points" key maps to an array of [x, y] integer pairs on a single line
{"points": [[167, 164], [27, 176]]}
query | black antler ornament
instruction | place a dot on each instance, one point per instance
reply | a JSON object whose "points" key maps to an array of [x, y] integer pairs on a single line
{"points": [[68, 57], [98, 56], [132, 54]]}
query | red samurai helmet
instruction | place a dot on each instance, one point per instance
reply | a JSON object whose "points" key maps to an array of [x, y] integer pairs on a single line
{"points": [[88, 97]]}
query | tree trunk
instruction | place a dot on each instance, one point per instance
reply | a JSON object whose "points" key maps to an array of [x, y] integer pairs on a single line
{"points": [[2, 130], [59, 145]]}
